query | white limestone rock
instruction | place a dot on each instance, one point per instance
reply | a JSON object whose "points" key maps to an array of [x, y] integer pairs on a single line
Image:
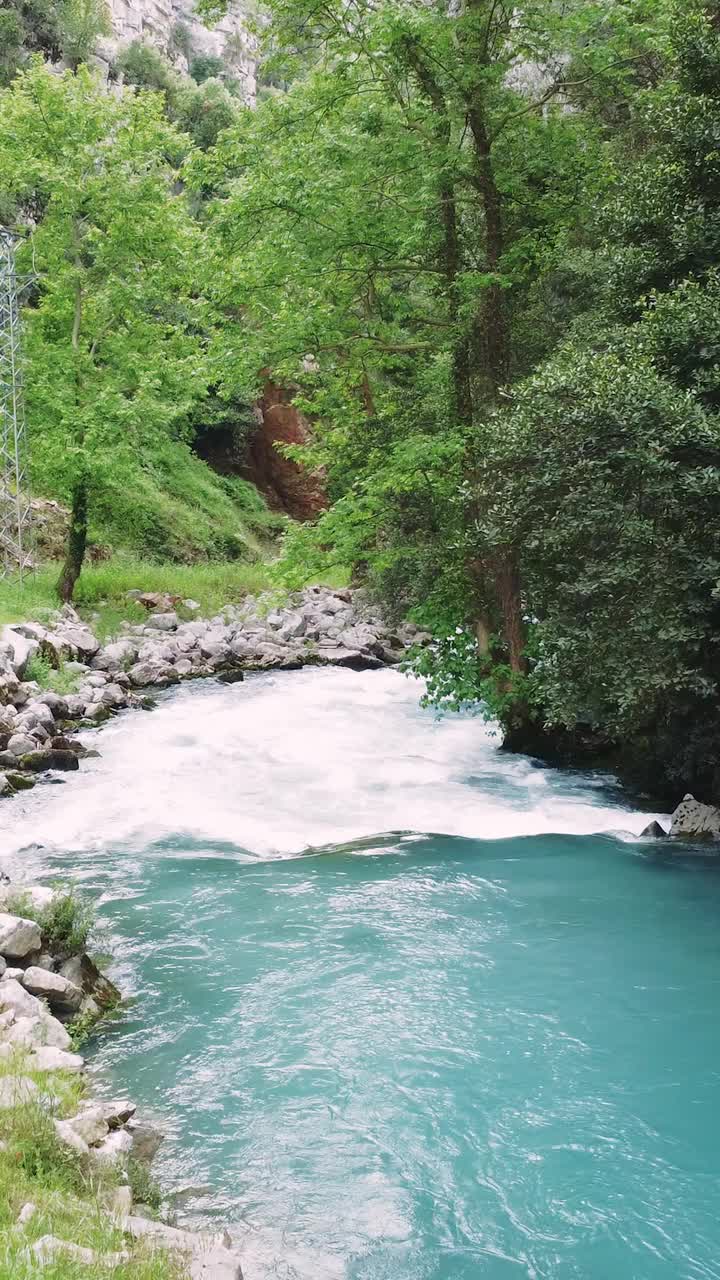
{"points": [[693, 820], [61, 994], [47, 1058]]}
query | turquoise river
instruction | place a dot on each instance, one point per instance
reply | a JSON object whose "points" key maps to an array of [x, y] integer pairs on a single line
{"points": [[406, 1008]]}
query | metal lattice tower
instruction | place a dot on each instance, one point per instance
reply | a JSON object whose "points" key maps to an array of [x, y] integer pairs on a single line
{"points": [[15, 548]]}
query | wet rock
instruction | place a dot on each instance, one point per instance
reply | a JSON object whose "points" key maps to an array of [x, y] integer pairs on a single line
{"points": [[693, 820], [62, 995], [654, 831], [117, 1112], [41, 761], [18, 937], [146, 1140], [350, 658], [231, 677], [20, 781], [84, 973]]}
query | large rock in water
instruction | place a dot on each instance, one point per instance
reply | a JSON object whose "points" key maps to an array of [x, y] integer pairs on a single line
{"points": [[694, 820]]}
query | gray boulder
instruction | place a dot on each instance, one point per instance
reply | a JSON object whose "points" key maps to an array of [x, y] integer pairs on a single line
{"points": [[63, 996], [694, 820], [20, 649], [163, 622], [57, 704], [18, 937], [20, 744]]}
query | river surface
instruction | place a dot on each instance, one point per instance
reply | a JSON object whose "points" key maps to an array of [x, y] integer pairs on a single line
{"points": [[408, 1009]]}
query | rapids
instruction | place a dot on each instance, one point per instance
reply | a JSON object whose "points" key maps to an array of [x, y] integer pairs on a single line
{"points": [[408, 1008]]}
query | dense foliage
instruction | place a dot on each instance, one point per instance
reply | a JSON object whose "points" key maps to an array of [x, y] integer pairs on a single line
{"points": [[496, 232], [482, 243]]}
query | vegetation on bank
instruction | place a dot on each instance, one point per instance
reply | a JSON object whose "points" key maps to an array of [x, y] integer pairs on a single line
{"points": [[102, 591], [72, 1199]]}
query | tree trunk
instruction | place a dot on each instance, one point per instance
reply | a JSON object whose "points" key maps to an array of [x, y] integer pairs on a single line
{"points": [[76, 543]]}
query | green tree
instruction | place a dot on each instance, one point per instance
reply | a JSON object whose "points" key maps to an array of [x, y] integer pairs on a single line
{"points": [[115, 358]]}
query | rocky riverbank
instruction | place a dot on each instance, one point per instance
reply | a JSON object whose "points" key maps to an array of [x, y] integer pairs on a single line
{"points": [[38, 725], [47, 991]]}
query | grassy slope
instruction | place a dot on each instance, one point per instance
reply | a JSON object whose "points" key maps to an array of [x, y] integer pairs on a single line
{"points": [[70, 1199]]}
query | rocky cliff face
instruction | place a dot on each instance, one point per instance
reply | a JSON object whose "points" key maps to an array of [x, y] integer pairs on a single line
{"points": [[173, 27]]}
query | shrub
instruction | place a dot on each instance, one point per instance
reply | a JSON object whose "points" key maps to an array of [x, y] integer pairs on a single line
{"points": [[66, 922], [206, 66]]}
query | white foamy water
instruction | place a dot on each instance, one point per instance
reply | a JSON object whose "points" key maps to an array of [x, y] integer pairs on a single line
{"points": [[285, 762]]}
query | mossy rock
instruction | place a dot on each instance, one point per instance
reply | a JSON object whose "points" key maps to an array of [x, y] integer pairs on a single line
{"points": [[20, 781]]}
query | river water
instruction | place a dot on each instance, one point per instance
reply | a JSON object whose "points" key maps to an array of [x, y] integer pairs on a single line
{"points": [[408, 1009]]}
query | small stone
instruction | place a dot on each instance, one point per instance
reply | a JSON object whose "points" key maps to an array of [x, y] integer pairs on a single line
{"points": [[41, 761], [27, 1212], [146, 1140]]}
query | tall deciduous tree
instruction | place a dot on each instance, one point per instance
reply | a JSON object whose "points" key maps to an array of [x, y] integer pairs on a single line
{"points": [[114, 356]]}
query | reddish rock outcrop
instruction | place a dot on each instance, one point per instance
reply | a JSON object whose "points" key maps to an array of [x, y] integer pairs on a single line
{"points": [[287, 485]]}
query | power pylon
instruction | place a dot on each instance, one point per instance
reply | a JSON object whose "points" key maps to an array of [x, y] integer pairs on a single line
{"points": [[15, 510]]}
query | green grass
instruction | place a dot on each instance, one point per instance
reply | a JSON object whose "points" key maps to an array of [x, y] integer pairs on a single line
{"points": [[103, 588], [70, 1196], [59, 680]]}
